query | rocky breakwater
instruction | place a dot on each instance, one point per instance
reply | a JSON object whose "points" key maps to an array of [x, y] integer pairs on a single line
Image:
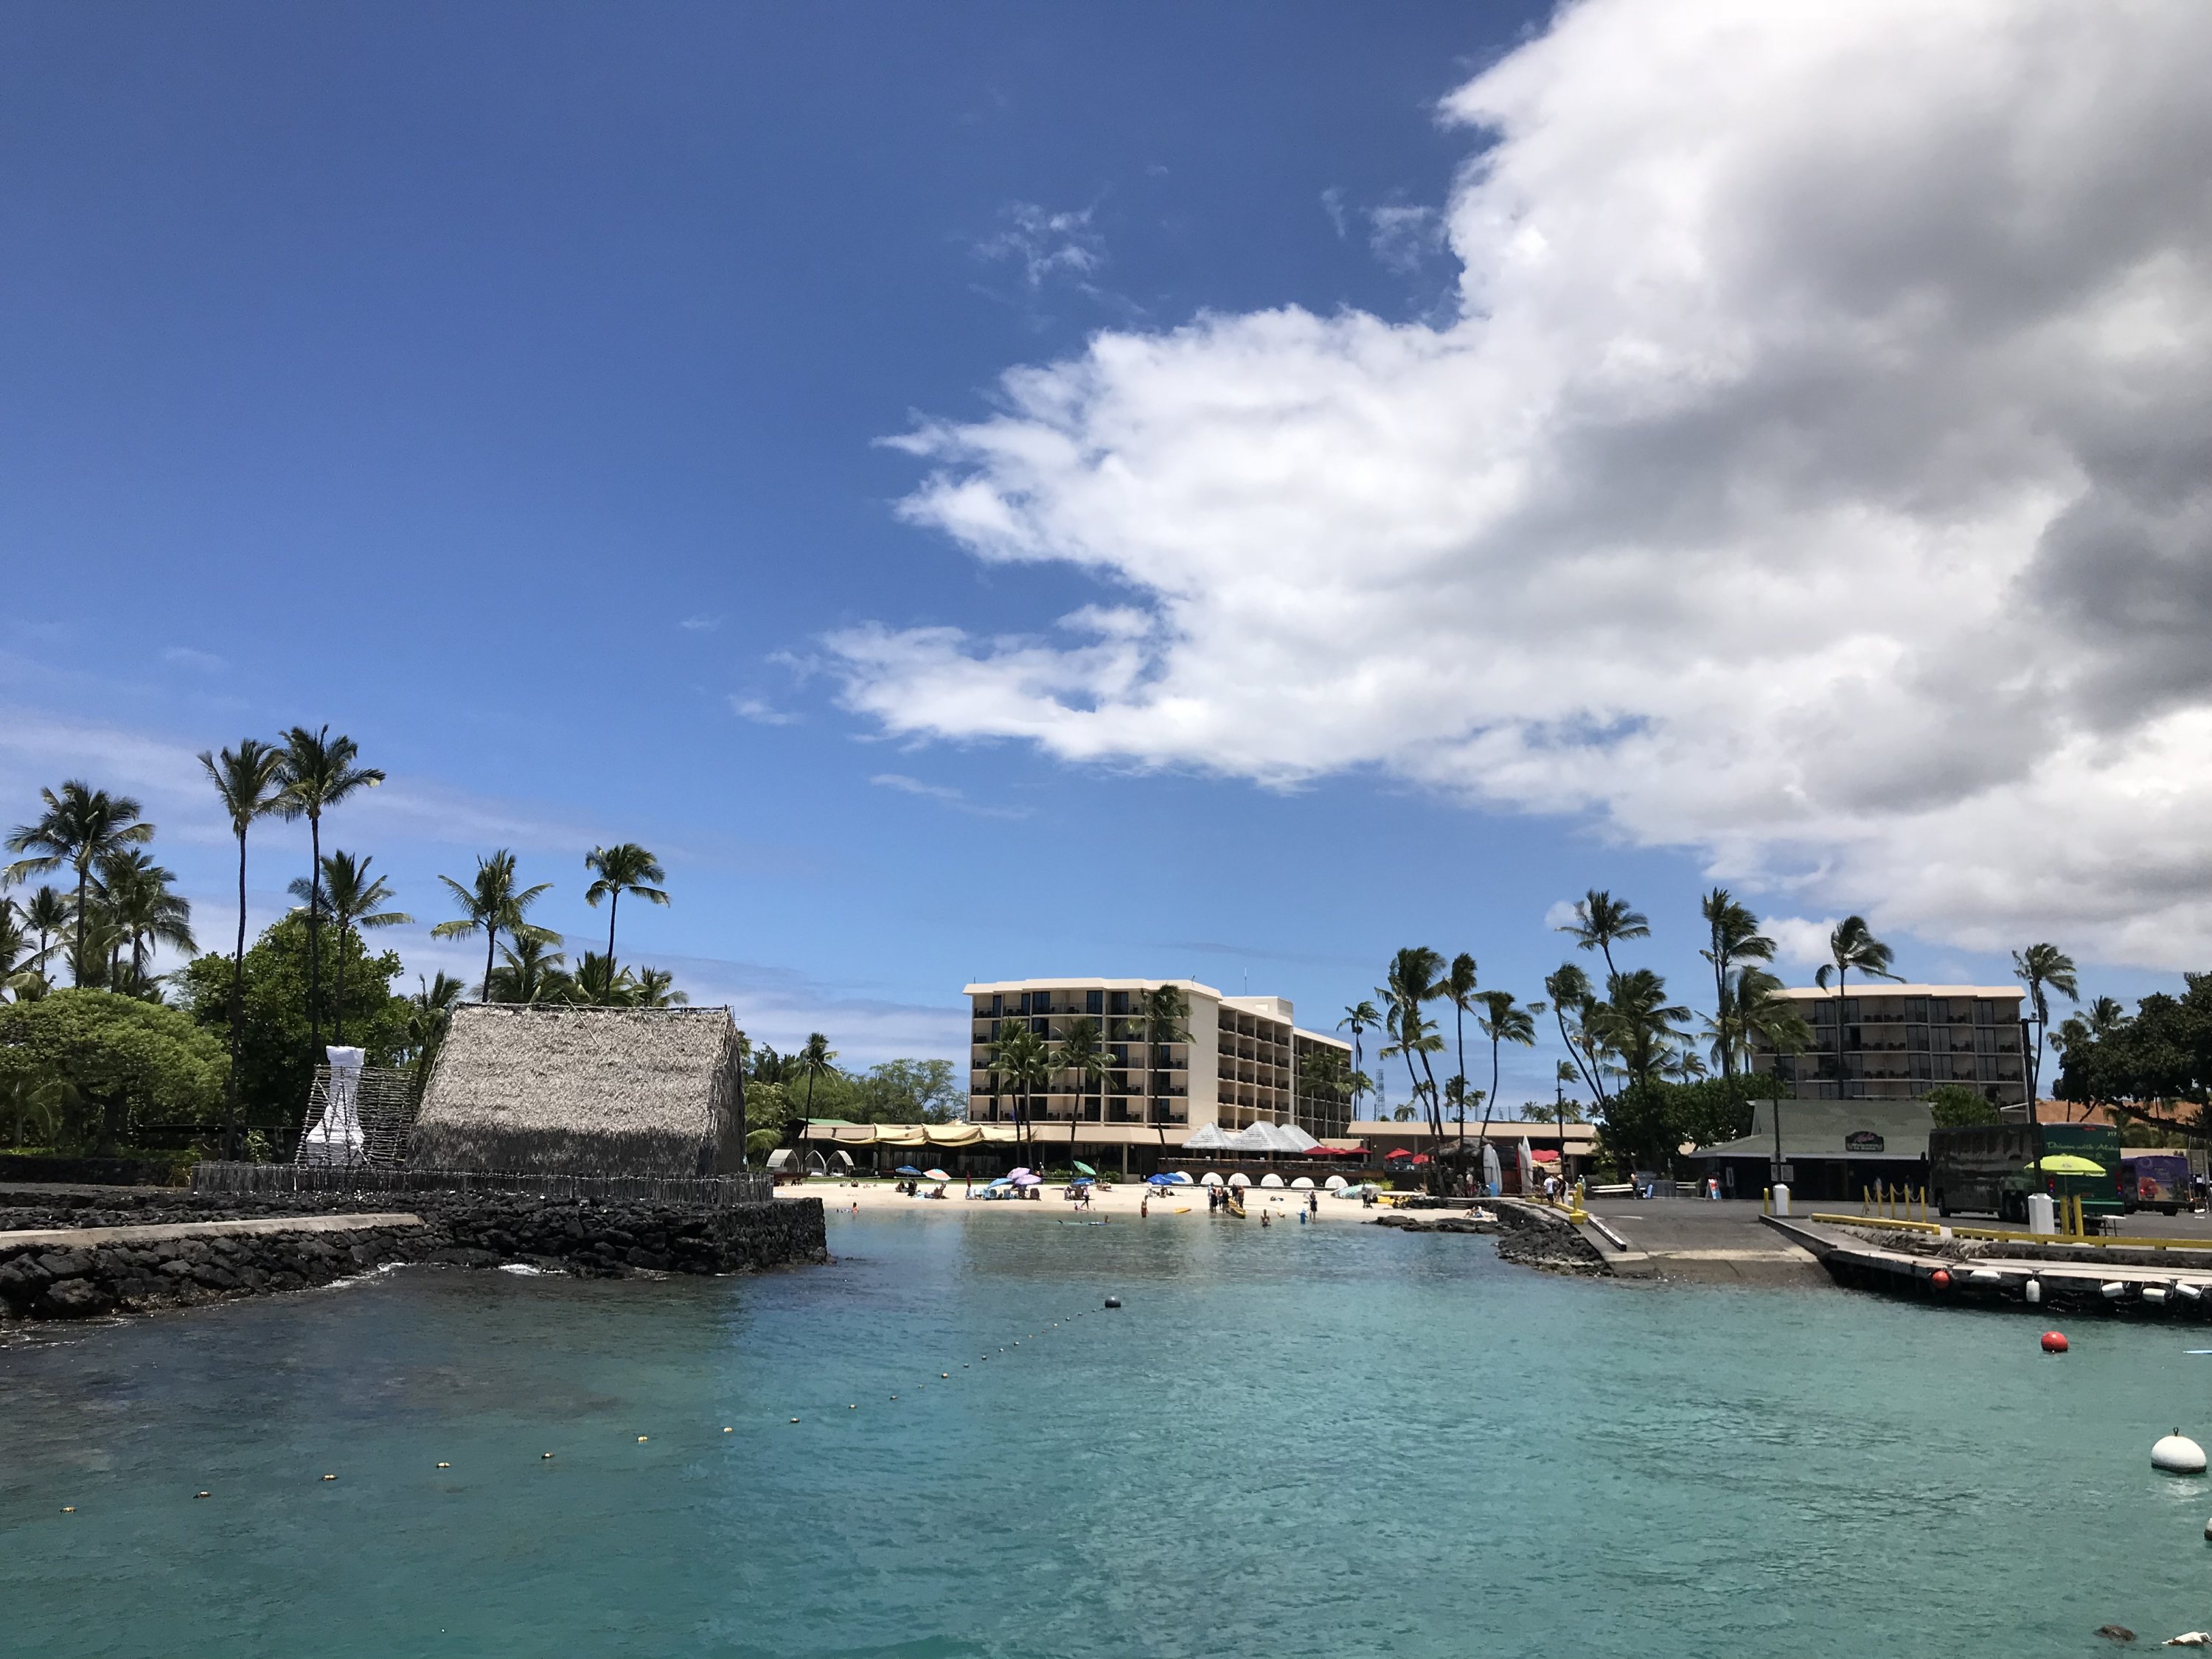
{"points": [[85, 1255], [1530, 1235]]}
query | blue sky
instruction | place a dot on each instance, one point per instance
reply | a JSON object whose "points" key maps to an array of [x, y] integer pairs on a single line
{"points": [[510, 387]]}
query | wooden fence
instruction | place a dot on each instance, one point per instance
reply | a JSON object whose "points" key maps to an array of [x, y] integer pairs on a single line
{"points": [[266, 1180]]}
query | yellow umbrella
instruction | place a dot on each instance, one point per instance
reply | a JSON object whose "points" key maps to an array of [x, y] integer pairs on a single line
{"points": [[2067, 1163]]}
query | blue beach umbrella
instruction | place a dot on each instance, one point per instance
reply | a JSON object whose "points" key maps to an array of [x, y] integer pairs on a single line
{"points": [[906, 1169], [1162, 1181]]}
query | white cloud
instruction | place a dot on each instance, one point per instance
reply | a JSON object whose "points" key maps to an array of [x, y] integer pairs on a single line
{"points": [[1798, 942], [945, 792], [1403, 237], [1042, 245], [701, 624], [184, 656], [1818, 475], [761, 714]]}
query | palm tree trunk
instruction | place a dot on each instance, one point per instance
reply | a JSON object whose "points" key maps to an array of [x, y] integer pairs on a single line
{"points": [[1491, 1103], [613, 899], [1459, 1027], [1721, 1006], [491, 943], [237, 1012], [315, 940], [76, 953]]}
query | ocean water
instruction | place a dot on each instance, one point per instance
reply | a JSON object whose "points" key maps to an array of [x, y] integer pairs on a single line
{"points": [[1334, 1440]]}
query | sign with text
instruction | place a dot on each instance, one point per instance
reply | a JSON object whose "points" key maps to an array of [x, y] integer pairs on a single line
{"points": [[1863, 1140]]}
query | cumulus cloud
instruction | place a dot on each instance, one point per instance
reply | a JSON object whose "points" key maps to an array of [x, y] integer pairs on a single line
{"points": [[1817, 474]]}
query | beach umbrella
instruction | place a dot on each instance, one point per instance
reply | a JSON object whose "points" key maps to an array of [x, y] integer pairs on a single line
{"points": [[1081, 1168], [1016, 1173], [1025, 1179], [935, 1175], [1160, 1181], [906, 1169], [1240, 1179], [1399, 1152], [1181, 1177], [1304, 1184], [1210, 1178], [2067, 1163], [1003, 1181]]}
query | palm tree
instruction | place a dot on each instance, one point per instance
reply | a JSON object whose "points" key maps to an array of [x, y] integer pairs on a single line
{"points": [[625, 868], [1734, 935], [1414, 978], [1851, 945], [598, 983], [1019, 1059], [656, 988], [250, 783], [1457, 988], [531, 972], [1325, 1077], [430, 1011], [81, 826], [1360, 1018], [1573, 999], [1638, 1026], [1081, 1053], [134, 893], [1164, 1012], [490, 904], [1602, 921], [349, 896], [1505, 1020], [318, 774], [818, 1058], [45, 914], [2105, 1015], [1749, 1010], [2042, 968]]}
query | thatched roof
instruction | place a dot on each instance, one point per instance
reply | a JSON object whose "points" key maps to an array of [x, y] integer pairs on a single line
{"points": [[585, 1090]]}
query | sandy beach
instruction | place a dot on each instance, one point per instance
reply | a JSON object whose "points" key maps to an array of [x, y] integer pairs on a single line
{"points": [[1120, 1205]]}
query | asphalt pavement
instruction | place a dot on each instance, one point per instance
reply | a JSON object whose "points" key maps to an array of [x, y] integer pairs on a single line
{"points": [[1698, 1241]]}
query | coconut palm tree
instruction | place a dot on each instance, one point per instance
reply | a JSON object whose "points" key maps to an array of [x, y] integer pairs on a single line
{"points": [[656, 988], [492, 903], [1360, 1018], [430, 1012], [134, 893], [1503, 1020], [1019, 1058], [598, 983], [1602, 921], [1572, 1003], [1751, 1015], [1164, 1012], [1852, 946], [81, 826], [531, 972], [1457, 988], [1326, 1077], [249, 782], [320, 773], [45, 913], [1639, 1027], [816, 1059], [625, 868], [2042, 968], [1081, 1053], [1734, 938], [350, 897]]}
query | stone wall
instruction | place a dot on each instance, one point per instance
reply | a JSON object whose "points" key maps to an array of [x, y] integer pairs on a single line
{"points": [[96, 1275]]}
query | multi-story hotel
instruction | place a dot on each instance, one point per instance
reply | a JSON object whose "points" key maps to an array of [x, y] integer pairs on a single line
{"points": [[1885, 1042], [1240, 1063]]}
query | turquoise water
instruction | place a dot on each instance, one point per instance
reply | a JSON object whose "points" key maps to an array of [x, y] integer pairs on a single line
{"points": [[1333, 1441]]}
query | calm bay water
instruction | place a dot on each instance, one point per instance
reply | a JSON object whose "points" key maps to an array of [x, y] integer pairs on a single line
{"points": [[1332, 1441]]}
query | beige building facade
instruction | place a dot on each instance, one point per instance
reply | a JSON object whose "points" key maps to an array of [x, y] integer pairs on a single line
{"points": [[1242, 1062], [1891, 1041]]}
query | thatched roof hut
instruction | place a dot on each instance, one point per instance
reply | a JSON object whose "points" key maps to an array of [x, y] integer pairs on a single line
{"points": [[635, 1091]]}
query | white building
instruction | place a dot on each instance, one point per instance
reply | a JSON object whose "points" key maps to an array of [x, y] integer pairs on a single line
{"points": [[1889, 1042]]}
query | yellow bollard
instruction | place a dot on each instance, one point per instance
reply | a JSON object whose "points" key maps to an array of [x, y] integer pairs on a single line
{"points": [[1766, 1201], [1866, 1201]]}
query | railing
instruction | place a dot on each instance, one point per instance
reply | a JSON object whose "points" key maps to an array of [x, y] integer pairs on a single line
{"points": [[702, 1192]]}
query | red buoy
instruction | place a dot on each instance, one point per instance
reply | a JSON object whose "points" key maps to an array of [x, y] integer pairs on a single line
{"points": [[2054, 1342], [1941, 1279]]}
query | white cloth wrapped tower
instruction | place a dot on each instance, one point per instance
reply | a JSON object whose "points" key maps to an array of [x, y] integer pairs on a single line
{"points": [[335, 1137]]}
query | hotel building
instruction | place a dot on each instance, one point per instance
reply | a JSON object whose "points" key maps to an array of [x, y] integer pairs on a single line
{"points": [[1240, 1064], [1886, 1041]]}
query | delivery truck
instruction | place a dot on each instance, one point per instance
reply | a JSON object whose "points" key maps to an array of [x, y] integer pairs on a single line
{"points": [[2156, 1181]]}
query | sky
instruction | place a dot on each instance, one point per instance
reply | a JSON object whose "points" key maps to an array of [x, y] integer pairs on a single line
{"points": [[991, 491]]}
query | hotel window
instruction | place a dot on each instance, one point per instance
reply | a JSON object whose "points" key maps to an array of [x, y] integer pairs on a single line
{"points": [[1094, 1002]]}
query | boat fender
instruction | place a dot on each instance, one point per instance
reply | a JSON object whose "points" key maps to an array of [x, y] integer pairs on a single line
{"points": [[2033, 1291], [2154, 1293], [2053, 1341], [1984, 1276], [1941, 1279], [2177, 1453], [2184, 1288], [2112, 1290]]}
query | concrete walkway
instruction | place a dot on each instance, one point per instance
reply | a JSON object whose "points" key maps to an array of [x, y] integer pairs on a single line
{"points": [[1693, 1241], [83, 1238]]}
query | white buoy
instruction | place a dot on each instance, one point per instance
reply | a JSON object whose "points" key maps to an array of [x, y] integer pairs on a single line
{"points": [[2184, 1288], [2177, 1453], [2034, 1291], [2112, 1290]]}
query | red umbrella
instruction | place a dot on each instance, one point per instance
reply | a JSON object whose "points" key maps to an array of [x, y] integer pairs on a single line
{"points": [[1420, 1158], [1399, 1152]]}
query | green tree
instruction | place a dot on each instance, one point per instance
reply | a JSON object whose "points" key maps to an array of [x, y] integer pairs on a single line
{"points": [[320, 773], [275, 1068], [349, 898], [491, 904], [1503, 1020], [1018, 1062], [45, 913], [2042, 968], [1574, 1005], [598, 983], [1852, 944], [816, 1061], [623, 868], [249, 782], [81, 826], [144, 909], [1636, 1027], [1733, 940], [1081, 1053], [1326, 1078], [656, 988], [1958, 1107], [424, 1019], [1602, 921], [530, 972], [1359, 1018], [1164, 1012], [114, 1062], [1457, 988], [909, 1092]]}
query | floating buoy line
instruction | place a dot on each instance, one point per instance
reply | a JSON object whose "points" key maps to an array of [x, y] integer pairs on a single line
{"points": [[943, 1376]]}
